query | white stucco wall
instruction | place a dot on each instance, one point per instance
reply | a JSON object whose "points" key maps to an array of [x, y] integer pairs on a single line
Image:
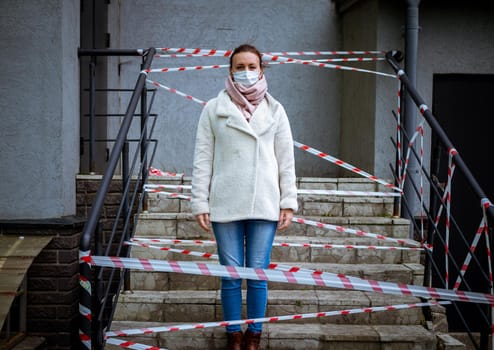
{"points": [[39, 108], [310, 95]]}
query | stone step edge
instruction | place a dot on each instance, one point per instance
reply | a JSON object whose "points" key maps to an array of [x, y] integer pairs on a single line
{"points": [[289, 239], [299, 180], [351, 220], [334, 333], [370, 298]]}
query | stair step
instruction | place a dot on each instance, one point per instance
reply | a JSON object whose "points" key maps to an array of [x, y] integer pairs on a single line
{"points": [[205, 306], [309, 204], [163, 281], [278, 336], [346, 250], [184, 226], [176, 298]]}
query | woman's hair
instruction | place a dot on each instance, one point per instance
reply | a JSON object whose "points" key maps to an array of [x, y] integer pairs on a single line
{"points": [[246, 48]]}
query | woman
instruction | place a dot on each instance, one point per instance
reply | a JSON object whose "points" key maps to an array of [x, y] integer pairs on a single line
{"points": [[243, 183]]}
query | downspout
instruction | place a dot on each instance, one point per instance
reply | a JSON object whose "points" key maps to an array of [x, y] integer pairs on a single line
{"points": [[410, 111]]}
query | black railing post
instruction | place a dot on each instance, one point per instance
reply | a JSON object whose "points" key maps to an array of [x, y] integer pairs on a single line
{"points": [[85, 331], [125, 203], [99, 287], [144, 143], [92, 112]]}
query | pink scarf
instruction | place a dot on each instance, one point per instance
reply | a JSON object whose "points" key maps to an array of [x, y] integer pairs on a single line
{"points": [[247, 98]]}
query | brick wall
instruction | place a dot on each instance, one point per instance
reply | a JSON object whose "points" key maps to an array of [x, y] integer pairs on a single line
{"points": [[53, 278]]}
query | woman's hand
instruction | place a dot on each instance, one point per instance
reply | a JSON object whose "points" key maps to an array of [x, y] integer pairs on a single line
{"points": [[285, 220], [203, 221]]}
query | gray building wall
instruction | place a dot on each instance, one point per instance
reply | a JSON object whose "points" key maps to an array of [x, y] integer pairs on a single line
{"points": [[310, 95], [39, 108], [345, 114], [454, 37], [455, 40]]}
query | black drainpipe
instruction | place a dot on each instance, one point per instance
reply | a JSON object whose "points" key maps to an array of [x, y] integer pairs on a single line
{"points": [[410, 111]]}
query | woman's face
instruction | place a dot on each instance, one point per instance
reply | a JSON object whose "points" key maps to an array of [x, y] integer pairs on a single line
{"points": [[245, 61]]}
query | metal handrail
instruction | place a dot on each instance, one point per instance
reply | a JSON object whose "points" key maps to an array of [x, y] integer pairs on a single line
{"points": [[91, 335], [431, 264]]}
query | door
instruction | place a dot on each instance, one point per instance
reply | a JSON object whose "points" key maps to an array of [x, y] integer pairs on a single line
{"points": [[462, 104]]}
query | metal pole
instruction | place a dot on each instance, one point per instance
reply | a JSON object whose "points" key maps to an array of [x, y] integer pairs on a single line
{"points": [[410, 114], [92, 112], [144, 143]]}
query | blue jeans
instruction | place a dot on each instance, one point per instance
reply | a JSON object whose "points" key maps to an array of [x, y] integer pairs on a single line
{"points": [[244, 243]]}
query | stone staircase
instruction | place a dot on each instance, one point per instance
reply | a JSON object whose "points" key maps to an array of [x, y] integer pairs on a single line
{"points": [[159, 299]]}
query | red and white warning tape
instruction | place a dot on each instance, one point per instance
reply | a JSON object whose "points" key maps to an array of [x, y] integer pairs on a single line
{"points": [[158, 172], [217, 66], [175, 91], [267, 57], [349, 193], [172, 195], [275, 244], [167, 186], [159, 188], [345, 165], [182, 69], [135, 242], [322, 279], [227, 53], [126, 344], [355, 232], [150, 330], [482, 228]]}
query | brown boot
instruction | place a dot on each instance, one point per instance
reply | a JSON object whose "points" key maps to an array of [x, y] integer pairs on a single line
{"points": [[252, 340], [234, 341]]}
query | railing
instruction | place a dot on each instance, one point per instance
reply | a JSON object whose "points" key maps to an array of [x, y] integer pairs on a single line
{"points": [[100, 288], [436, 225]]}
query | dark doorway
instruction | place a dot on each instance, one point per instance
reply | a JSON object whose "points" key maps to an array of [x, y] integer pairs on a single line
{"points": [[462, 105], [94, 24]]}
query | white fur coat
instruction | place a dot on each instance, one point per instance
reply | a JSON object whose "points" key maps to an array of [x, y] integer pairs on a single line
{"points": [[243, 170]]}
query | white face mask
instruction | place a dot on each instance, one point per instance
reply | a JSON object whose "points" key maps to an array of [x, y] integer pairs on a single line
{"points": [[246, 77]]}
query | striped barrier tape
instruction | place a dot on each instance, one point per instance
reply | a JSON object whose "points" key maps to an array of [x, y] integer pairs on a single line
{"points": [[227, 53], [183, 69], [156, 188], [85, 339], [272, 266], [345, 165], [351, 59], [85, 312], [267, 57], [321, 279], [167, 186], [158, 172], [126, 344], [355, 232], [174, 328], [143, 242], [349, 193], [171, 194], [175, 91], [218, 66]]}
